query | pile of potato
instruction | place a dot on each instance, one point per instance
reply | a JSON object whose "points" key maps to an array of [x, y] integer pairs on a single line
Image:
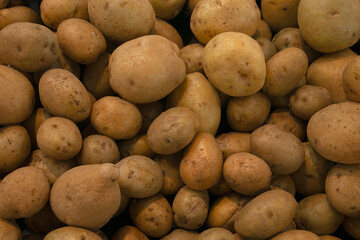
{"points": [[113, 125]]}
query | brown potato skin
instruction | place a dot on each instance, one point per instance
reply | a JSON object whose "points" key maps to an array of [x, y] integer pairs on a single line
{"points": [[328, 237], [192, 56], [166, 30], [352, 227], [137, 145], [267, 47], [296, 235], [233, 142], [17, 14], [73, 233], [349, 80], [180, 234], [169, 9], [262, 30], [216, 233], [9, 230], [283, 182], [129, 233]]}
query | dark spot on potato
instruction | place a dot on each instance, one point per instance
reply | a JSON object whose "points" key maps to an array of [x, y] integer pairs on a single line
{"points": [[18, 48], [131, 82], [284, 9], [353, 35], [53, 48], [198, 180], [68, 197], [106, 6], [131, 173], [54, 126], [123, 4], [151, 209], [353, 208], [58, 148], [218, 2], [69, 144], [152, 219], [334, 13], [269, 213], [62, 138], [46, 44], [338, 175]]}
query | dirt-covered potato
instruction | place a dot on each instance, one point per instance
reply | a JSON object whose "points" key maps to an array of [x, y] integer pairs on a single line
{"points": [[342, 189], [247, 174], [9, 230], [267, 47], [201, 166], [180, 234], [198, 94], [283, 182], [192, 57], [289, 154], [284, 71], [23, 192], [216, 234], [129, 233], [17, 14], [167, 9], [213, 17], [29, 47], [122, 20], [140, 176], [296, 235], [70, 232], [334, 133], [79, 195], [17, 96], [152, 215], [308, 99], [350, 80], [146, 69], [137, 145], [234, 63], [166, 30], [245, 114], [224, 210], [262, 30], [233, 142], [261, 212], [115, 117], [352, 227], [63, 94], [190, 208], [59, 138]]}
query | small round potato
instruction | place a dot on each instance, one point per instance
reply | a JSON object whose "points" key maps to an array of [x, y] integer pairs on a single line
{"points": [[180, 234], [296, 235], [267, 47], [283, 182], [70, 232], [350, 80], [129, 233], [137, 145], [216, 234], [352, 227], [17, 14], [233, 142], [262, 30], [166, 30], [9, 230], [192, 57]]}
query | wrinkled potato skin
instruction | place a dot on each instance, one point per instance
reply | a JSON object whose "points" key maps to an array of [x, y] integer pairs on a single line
{"points": [[69, 232], [192, 56], [216, 233], [296, 235], [167, 9], [352, 227], [166, 30], [262, 30], [267, 47], [283, 182], [180, 234], [233, 142], [17, 14], [137, 145], [350, 78], [9, 230], [129, 233]]}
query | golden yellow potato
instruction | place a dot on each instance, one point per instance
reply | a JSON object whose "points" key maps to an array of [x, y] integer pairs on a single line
{"points": [[9, 230], [166, 30], [283, 182], [352, 227], [267, 47], [350, 80], [72, 233], [167, 9], [146, 69], [23, 192], [192, 57], [17, 14], [122, 20], [180, 234], [137, 145], [215, 234], [129, 233], [262, 30], [234, 64], [213, 17], [149, 111], [233, 142], [296, 235]]}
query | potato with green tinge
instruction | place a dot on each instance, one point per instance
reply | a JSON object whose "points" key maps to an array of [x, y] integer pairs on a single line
{"points": [[17, 14], [72, 233], [166, 30], [129, 233], [192, 56], [233, 142], [296, 235], [350, 80]]}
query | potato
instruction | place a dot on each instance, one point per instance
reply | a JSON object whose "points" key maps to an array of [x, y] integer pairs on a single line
{"points": [[149, 111], [140, 177], [327, 72], [98, 149], [211, 18], [78, 196], [267, 47], [192, 57], [15, 147], [197, 94], [116, 118], [352, 227], [329, 27], [166, 30], [167, 10], [190, 5], [23, 193], [17, 14], [341, 187], [349, 80], [215, 234], [201, 166], [17, 96], [59, 138], [146, 69], [333, 132], [279, 102], [9, 230], [180, 234], [122, 20], [270, 211], [296, 235], [284, 70], [233, 142], [246, 174], [280, 14], [262, 31], [33, 122], [137, 145], [169, 165], [224, 210], [152, 215], [289, 154], [245, 114], [129, 233], [234, 63], [63, 95], [283, 182], [328, 237], [29, 47], [190, 208], [72, 233], [172, 130], [308, 99], [3, 3]]}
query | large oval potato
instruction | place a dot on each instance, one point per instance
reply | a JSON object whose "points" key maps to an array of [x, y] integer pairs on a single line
{"points": [[17, 14]]}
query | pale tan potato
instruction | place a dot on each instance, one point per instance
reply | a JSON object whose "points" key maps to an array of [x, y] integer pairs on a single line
{"points": [[180, 234], [328, 237], [201, 166], [234, 64], [62, 94], [167, 9], [233, 142], [327, 72], [261, 212], [53, 12], [216, 234], [283, 182], [149, 111], [146, 69], [342, 189], [33, 122], [140, 176], [115, 117], [152, 215], [212, 17], [220, 188], [296, 235], [79, 195], [267, 47], [29, 47], [70, 232], [15, 147], [352, 227], [23, 192], [17, 14], [262, 30], [308, 99], [59, 138], [129, 233], [9, 230], [190, 208], [333, 132], [198, 94], [122, 20], [284, 70], [166, 30], [137, 145], [350, 80], [192, 56], [245, 114], [17, 96]]}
